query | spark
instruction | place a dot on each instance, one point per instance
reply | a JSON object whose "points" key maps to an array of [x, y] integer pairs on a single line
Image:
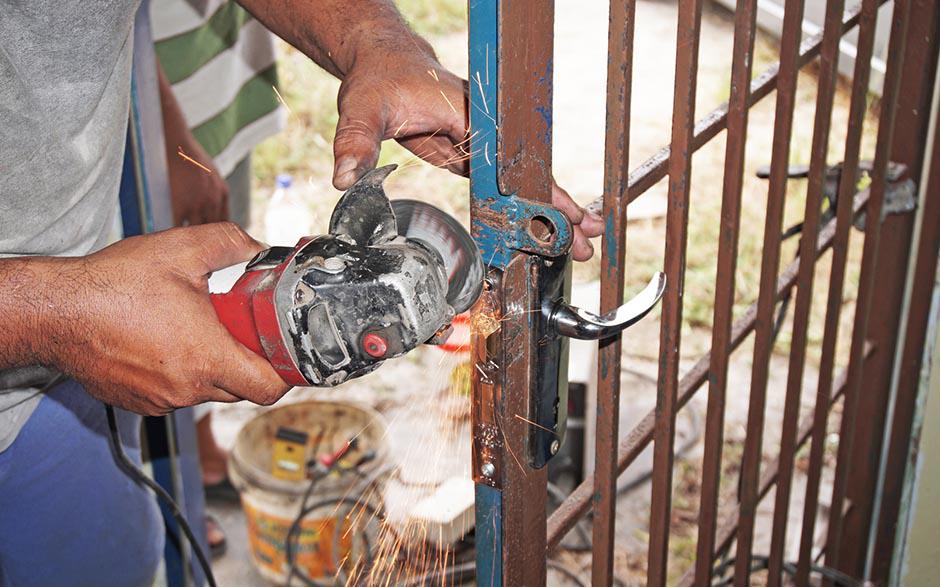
{"points": [[281, 99], [449, 103], [400, 127], [512, 453], [485, 113], [486, 153], [433, 74], [482, 94], [185, 157], [487, 53], [527, 421]]}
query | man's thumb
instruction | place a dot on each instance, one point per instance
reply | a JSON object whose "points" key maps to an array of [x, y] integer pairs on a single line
{"points": [[223, 244], [359, 135]]}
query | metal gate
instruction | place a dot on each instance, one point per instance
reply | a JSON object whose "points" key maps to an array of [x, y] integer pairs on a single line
{"points": [[519, 388]]}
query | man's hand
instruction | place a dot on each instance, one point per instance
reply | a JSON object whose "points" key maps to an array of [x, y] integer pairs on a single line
{"points": [[198, 193], [133, 322], [411, 98]]}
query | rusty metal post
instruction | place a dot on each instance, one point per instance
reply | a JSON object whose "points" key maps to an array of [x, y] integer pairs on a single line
{"points": [[745, 30], [763, 334], [869, 282], [826, 86], [514, 226], [677, 225], [858, 106], [914, 336], [911, 118], [616, 172]]}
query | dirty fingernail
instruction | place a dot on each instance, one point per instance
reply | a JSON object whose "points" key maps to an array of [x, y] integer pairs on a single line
{"points": [[594, 216], [344, 174]]}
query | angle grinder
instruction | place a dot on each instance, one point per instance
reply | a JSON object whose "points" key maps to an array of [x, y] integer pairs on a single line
{"points": [[388, 277]]}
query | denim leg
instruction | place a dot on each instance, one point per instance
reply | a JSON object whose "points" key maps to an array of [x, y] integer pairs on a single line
{"points": [[68, 514]]}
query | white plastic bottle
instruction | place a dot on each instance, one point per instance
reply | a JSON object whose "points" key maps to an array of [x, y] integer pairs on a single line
{"points": [[287, 218]]}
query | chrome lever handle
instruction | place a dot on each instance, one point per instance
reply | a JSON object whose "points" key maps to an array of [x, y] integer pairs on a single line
{"points": [[577, 323]]}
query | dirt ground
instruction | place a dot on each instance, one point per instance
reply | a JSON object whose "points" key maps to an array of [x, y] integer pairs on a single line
{"points": [[428, 427]]}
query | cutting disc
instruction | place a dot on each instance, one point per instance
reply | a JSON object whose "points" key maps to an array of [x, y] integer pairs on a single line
{"points": [[442, 232]]}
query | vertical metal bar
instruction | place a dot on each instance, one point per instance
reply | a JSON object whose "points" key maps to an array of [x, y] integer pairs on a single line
{"points": [[867, 280], [511, 100], [524, 488], [764, 340], [914, 339], [847, 187], [616, 172], [826, 85], [738, 108], [677, 225], [912, 121]]}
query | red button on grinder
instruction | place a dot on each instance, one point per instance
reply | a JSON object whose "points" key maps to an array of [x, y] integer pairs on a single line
{"points": [[374, 345]]}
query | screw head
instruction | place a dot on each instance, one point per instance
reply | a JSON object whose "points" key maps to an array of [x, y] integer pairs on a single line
{"points": [[555, 446], [488, 469], [334, 264]]}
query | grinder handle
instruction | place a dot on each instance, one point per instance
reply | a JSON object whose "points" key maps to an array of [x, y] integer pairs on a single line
{"points": [[234, 307]]}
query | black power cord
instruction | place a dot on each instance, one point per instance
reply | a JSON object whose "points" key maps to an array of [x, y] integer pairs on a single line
{"points": [[761, 562], [131, 470]]}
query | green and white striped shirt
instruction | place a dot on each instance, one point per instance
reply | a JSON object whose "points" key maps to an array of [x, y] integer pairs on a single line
{"points": [[221, 64]]}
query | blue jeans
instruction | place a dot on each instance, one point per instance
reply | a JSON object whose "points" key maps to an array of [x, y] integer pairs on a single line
{"points": [[68, 515]]}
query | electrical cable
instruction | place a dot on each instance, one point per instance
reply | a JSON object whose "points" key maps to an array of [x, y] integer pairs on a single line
{"points": [[138, 476], [760, 562], [305, 510]]}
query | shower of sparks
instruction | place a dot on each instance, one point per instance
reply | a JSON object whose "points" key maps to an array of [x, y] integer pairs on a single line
{"points": [[281, 99], [185, 157], [484, 323]]}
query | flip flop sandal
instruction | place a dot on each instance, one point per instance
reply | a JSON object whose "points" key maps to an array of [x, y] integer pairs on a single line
{"points": [[218, 548], [223, 491]]}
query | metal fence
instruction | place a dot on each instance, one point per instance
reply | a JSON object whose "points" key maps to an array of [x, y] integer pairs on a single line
{"points": [[515, 389]]}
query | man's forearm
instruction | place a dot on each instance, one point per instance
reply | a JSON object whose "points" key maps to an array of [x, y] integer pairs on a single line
{"points": [[334, 32], [23, 295]]}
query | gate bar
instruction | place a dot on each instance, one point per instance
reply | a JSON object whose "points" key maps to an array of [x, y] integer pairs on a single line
{"points": [[655, 168], [745, 29], [613, 246], [867, 279], [579, 502], [677, 229], [914, 339], [770, 477], [895, 253], [766, 301], [826, 86], [857, 110]]}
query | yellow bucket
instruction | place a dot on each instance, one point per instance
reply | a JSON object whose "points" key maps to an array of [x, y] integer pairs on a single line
{"points": [[326, 539]]}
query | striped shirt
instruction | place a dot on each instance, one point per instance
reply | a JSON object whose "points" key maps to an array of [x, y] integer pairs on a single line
{"points": [[221, 64]]}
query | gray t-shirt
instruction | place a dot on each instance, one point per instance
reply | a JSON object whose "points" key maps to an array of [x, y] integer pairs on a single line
{"points": [[65, 68]]}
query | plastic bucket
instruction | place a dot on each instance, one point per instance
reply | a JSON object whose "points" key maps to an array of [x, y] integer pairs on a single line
{"points": [[271, 504]]}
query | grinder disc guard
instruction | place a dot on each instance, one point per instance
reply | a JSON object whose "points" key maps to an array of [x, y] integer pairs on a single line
{"points": [[462, 261]]}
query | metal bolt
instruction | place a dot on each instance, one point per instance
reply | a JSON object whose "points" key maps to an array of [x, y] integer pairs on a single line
{"points": [[554, 446], [334, 264], [488, 469]]}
